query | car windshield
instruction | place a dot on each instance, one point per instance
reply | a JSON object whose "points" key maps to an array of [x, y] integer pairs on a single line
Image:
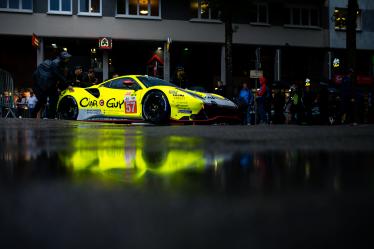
{"points": [[152, 81]]}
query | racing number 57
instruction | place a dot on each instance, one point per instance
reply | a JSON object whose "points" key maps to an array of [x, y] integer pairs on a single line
{"points": [[130, 107]]}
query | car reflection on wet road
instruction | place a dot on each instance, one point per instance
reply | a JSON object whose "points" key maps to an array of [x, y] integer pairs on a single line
{"points": [[81, 185]]}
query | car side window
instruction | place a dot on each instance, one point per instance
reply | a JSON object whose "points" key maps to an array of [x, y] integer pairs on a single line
{"points": [[130, 84], [117, 84], [123, 83], [107, 85]]}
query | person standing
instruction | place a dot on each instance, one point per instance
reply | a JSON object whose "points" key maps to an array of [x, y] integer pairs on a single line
{"points": [[31, 102], [48, 78], [78, 77], [292, 106], [371, 105], [219, 89], [246, 100], [278, 103], [307, 99], [91, 78], [348, 98], [261, 98], [115, 75]]}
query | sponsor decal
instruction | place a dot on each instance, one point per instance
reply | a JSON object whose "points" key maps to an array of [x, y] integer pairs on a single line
{"points": [[130, 98], [130, 104], [175, 93], [182, 106], [209, 97], [113, 103], [93, 112], [88, 113], [86, 102], [185, 111]]}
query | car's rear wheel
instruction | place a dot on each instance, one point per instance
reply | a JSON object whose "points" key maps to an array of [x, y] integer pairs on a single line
{"points": [[68, 108], [156, 108]]}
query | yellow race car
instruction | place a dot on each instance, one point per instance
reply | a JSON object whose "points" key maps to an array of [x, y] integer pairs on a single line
{"points": [[139, 98]]}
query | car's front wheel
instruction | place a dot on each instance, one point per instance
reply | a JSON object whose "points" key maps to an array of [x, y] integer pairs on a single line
{"points": [[68, 108], [156, 108]]}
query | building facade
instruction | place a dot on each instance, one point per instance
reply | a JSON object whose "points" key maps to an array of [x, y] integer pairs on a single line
{"points": [[287, 40], [364, 35]]}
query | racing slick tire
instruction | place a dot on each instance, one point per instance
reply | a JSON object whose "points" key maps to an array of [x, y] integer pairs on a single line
{"points": [[156, 108], [68, 108]]}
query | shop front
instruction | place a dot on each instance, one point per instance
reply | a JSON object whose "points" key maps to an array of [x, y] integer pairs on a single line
{"points": [[18, 57], [195, 65], [121, 57]]}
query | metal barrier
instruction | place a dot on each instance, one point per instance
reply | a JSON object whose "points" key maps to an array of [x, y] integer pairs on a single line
{"points": [[6, 95]]}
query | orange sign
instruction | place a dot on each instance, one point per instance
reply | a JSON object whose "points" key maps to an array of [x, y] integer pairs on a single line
{"points": [[35, 41], [130, 104]]}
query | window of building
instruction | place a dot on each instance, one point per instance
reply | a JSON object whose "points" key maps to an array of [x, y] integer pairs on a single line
{"points": [[340, 17], [89, 7], [261, 14], [202, 11], [16, 5], [139, 8], [60, 6], [302, 16]]}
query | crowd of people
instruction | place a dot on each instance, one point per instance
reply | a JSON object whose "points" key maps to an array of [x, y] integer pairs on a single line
{"points": [[49, 79], [22, 102], [254, 105], [79, 78], [53, 76], [309, 103], [301, 103]]}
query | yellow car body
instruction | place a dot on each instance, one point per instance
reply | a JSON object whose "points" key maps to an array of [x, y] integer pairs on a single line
{"points": [[143, 98]]}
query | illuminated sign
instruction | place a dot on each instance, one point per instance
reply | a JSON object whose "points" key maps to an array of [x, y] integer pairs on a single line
{"points": [[105, 43], [168, 44], [336, 63], [35, 41], [256, 74]]}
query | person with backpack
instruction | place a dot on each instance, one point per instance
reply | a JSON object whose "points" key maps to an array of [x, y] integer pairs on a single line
{"points": [[48, 78], [246, 100]]}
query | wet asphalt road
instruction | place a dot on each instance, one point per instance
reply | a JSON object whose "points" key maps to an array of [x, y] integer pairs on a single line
{"points": [[91, 185]]}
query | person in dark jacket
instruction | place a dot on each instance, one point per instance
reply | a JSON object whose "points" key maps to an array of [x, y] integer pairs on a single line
{"points": [[279, 102], [348, 98], [80, 78], [48, 78], [246, 100], [219, 88], [307, 99], [91, 78]]}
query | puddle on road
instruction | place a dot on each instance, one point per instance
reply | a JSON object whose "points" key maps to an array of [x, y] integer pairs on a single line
{"points": [[176, 163]]}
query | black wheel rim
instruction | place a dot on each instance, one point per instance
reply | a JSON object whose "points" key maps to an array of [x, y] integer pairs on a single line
{"points": [[68, 109], [155, 107]]}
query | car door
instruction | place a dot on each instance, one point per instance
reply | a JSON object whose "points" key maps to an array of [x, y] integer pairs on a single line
{"points": [[120, 98]]}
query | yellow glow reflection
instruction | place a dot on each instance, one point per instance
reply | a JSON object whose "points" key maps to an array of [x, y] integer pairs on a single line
{"points": [[114, 152]]}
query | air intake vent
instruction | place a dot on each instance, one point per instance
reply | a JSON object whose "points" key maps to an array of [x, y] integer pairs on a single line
{"points": [[93, 91]]}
